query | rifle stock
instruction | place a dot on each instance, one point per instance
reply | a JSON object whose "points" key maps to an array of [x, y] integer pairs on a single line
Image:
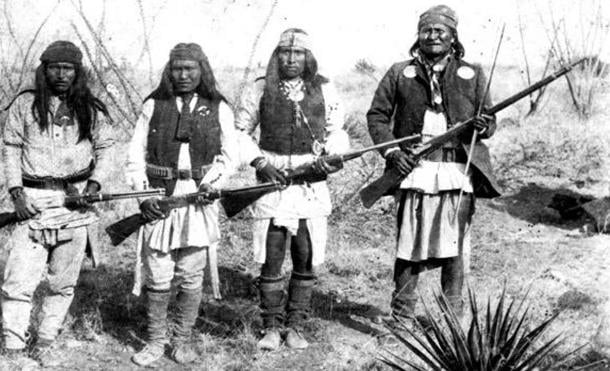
{"points": [[122, 229], [391, 177], [8, 218]]}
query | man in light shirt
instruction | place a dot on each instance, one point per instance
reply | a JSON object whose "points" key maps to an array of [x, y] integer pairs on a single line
{"points": [[300, 119], [429, 94], [56, 142], [184, 141]]}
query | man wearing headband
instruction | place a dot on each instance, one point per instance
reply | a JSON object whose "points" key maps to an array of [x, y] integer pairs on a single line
{"points": [[427, 95], [300, 119], [183, 142], [56, 142]]}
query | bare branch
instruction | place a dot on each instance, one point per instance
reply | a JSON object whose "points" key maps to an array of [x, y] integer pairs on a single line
{"points": [[128, 87], [247, 71], [146, 47], [31, 45], [101, 79]]}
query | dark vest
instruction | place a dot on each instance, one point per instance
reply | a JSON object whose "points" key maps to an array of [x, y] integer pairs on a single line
{"points": [[279, 132], [162, 147]]}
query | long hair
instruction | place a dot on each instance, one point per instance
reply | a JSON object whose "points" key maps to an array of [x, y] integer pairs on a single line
{"points": [[310, 74], [457, 49], [80, 101], [206, 89]]}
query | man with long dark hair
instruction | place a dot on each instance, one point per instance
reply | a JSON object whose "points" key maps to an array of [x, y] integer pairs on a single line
{"points": [[56, 141], [429, 94], [184, 140], [300, 119]]}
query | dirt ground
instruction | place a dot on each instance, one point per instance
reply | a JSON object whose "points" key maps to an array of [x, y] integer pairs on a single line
{"points": [[517, 242]]}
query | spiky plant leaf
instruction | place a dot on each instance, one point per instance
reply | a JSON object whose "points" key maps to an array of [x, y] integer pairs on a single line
{"points": [[501, 341]]}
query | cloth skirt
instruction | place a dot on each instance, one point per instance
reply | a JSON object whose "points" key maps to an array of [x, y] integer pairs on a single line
{"points": [[431, 226]]}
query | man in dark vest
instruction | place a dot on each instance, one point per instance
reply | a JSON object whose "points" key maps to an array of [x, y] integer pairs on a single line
{"points": [[56, 141], [182, 142], [300, 119], [429, 94]]}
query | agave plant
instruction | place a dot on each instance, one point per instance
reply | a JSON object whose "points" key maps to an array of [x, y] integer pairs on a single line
{"points": [[499, 340]]}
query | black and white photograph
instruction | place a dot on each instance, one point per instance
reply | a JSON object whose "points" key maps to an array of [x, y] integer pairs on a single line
{"points": [[305, 185]]}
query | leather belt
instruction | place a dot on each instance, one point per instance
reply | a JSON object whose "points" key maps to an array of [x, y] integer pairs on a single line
{"points": [[169, 173], [48, 182]]}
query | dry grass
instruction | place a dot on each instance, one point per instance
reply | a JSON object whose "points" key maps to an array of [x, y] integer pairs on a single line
{"points": [[516, 240]]}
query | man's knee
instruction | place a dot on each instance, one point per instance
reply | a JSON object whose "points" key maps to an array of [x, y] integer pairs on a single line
{"points": [[61, 286]]}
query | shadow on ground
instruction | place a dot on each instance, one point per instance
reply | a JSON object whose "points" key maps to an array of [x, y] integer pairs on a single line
{"points": [[533, 202]]}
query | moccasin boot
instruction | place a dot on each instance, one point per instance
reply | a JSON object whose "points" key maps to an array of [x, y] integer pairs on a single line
{"points": [[151, 353], [156, 326], [271, 340], [272, 296], [184, 353], [300, 290], [295, 339], [187, 309]]}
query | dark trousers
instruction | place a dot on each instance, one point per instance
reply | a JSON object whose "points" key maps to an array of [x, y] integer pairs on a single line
{"points": [[406, 275], [273, 297]]}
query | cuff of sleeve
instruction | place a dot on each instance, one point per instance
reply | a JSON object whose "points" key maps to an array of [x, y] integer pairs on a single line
{"points": [[14, 183], [390, 150]]}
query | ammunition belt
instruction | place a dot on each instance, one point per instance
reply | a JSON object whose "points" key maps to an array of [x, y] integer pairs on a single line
{"points": [[169, 173]]}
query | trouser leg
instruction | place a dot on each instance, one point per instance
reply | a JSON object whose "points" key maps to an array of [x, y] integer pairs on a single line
{"points": [[190, 264], [302, 280], [64, 268], [159, 269], [452, 281], [22, 274], [404, 299], [271, 287]]}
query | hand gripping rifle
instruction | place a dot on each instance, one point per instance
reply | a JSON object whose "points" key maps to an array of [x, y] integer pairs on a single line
{"points": [[72, 201], [122, 229], [306, 173], [234, 200], [378, 188]]}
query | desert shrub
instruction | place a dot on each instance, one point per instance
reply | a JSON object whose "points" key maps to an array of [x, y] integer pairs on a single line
{"points": [[500, 339]]}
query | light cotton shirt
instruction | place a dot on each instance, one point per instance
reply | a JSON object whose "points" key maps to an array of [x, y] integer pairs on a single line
{"points": [[194, 225], [307, 201], [54, 152]]}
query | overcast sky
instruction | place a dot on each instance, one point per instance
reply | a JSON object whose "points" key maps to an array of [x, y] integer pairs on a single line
{"points": [[343, 31]]}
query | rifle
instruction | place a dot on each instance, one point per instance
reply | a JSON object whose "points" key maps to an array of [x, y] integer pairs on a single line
{"points": [[306, 173], [72, 201], [122, 229], [234, 200], [378, 188]]}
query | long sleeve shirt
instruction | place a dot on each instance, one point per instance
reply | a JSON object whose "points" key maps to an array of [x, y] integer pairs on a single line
{"points": [[56, 151]]}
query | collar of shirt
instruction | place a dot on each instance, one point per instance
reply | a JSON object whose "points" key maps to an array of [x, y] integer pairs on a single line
{"points": [[192, 104]]}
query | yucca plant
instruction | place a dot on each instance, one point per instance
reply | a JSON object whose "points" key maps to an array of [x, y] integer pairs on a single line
{"points": [[499, 340]]}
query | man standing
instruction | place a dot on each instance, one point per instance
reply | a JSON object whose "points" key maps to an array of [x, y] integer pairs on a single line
{"points": [[429, 94], [300, 119], [183, 141], [55, 142]]}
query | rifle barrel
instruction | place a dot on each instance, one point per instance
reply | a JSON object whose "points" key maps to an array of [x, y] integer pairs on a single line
{"points": [[357, 153], [510, 100]]}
